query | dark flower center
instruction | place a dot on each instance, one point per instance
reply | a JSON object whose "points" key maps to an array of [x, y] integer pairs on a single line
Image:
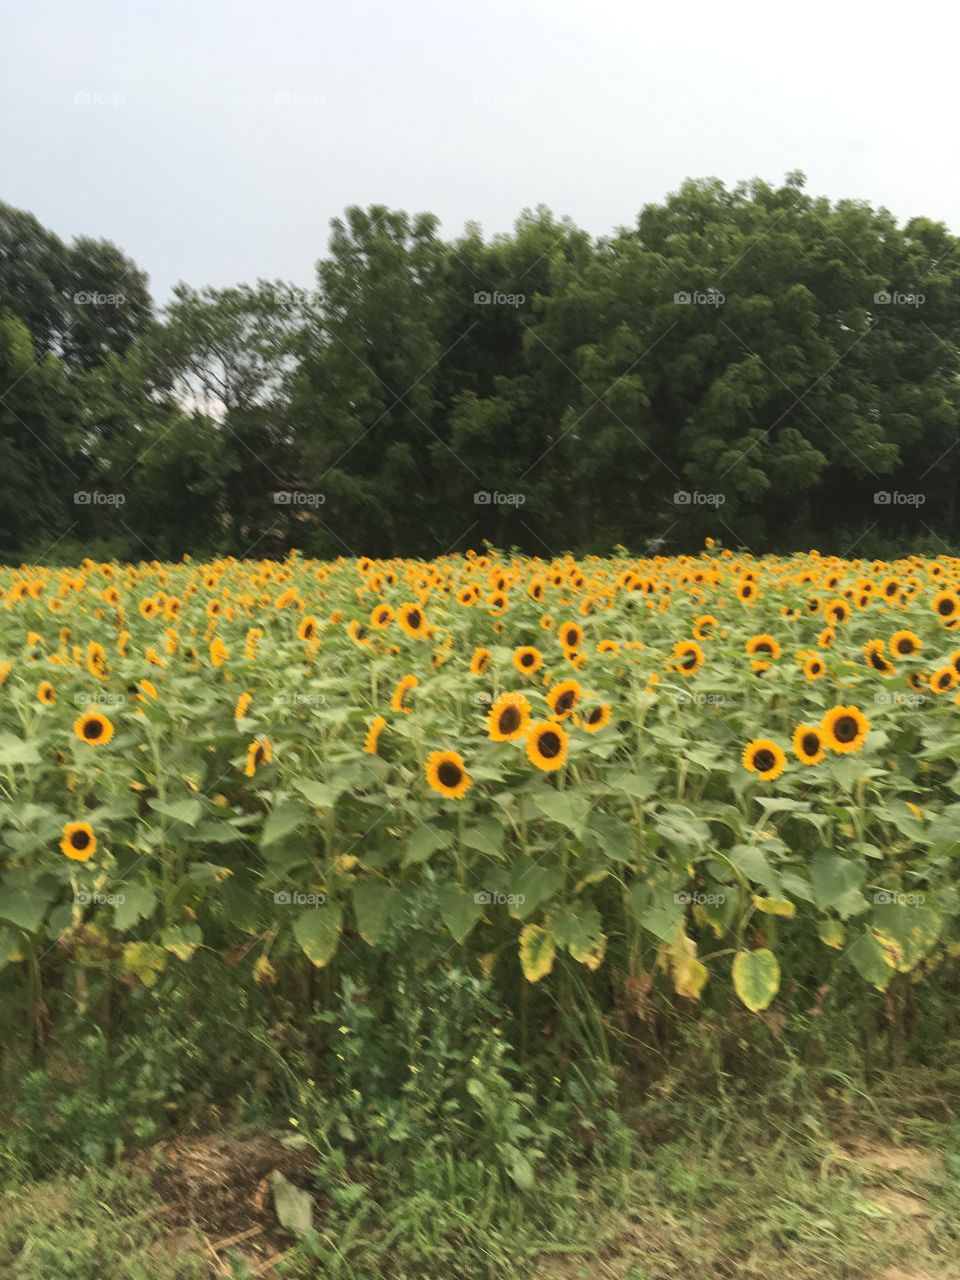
{"points": [[945, 608], [526, 659], [413, 618], [565, 701], [595, 715], [92, 730], [810, 743], [549, 744], [846, 728], [80, 840], [764, 760], [449, 774], [509, 719]]}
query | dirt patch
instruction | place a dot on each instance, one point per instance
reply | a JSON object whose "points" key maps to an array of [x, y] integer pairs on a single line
{"points": [[907, 1162], [217, 1186]]}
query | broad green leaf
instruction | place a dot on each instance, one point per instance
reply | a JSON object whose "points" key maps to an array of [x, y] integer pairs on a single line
{"points": [[756, 978], [426, 840], [14, 750], [23, 907], [139, 901], [288, 816], [318, 932], [182, 940], [836, 883], [567, 808], [320, 794], [460, 910], [372, 901], [187, 811]]}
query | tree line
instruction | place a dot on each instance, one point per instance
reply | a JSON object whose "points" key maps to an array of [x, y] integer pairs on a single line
{"points": [[756, 363]]}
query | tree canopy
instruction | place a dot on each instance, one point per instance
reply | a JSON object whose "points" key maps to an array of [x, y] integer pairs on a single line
{"points": [[754, 363]]}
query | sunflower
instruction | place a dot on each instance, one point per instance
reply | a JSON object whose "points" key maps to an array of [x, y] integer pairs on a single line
{"points": [[917, 680], [814, 667], [5, 669], [826, 638], [874, 656], [808, 744], [147, 689], [946, 605], [597, 718], [704, 626], [357, 631], [763, 647], [764, 758], [942, 681], [46, 693], [243, 706], [307, 629], [571, 635], [608, 646], [746, 590], [93, 727], [371, 741], [447, 775], [846, 729], [563, 697], [527, 659], [97, 660], [218, 652], [381, 616], [547, 745], [78, 842], [508, 717], [480, 662], [259, 752], [404, 686], [412, 620], [687, 656], [903, 644]]}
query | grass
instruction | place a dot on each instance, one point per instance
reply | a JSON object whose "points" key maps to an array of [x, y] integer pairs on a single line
{"points": [[838, 1188]]}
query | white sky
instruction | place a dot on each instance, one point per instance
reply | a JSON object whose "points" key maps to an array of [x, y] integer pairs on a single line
{"points": [[220, 136]]}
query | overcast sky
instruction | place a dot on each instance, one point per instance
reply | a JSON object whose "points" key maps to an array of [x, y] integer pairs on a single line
{"points": [[213, 140]]}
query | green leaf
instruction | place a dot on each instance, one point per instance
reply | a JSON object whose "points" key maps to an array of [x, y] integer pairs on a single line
{"points": [[756, 978], [320, 794], [426, 840], [23, 907], [14, 750], [836, 883], [318, 932], [871, 961], [568, 808], [139, 901], [182, 940], [293, 1205], [188, 811], [372, 901], [288, 816], [460, 911]]}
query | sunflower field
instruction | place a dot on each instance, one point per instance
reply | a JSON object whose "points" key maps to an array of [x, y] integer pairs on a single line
{"points": [[715, 774]]}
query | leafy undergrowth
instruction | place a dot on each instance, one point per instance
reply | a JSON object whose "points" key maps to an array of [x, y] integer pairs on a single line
{"points": [[847, 1187]]}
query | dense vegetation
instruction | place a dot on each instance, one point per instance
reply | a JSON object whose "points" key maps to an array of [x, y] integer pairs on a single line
{"points": [[779, 358]]}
